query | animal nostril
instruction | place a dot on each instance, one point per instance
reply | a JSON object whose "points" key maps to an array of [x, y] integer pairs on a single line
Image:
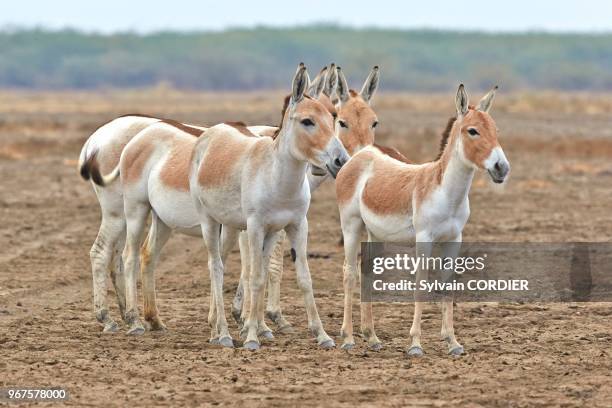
{"points": [[498, 167], [338, 162]]}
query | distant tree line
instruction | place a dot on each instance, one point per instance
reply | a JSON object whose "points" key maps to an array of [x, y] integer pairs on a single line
{"points": [[264, 58]]}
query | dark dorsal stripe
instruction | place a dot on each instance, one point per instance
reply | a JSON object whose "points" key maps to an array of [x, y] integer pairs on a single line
{"points": [[138, 115], [445, 136], [185, 128], [392, 152], [241, 127]]}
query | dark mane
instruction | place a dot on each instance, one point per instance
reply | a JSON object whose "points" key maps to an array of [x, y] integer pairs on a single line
{"points": [[285, 106], [280, 125], [445, 136]]}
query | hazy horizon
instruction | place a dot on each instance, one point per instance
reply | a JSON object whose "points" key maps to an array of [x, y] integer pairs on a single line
{"points": [[112, 16]]}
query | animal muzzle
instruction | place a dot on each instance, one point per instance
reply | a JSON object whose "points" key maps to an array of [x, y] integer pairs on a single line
{"points": [[499, 171], [336, 164]]}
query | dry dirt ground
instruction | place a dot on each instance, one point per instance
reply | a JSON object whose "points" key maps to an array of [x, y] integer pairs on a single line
{"points": [[560, 147]]}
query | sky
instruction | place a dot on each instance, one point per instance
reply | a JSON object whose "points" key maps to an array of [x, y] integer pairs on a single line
{"points": [[142, 16]]}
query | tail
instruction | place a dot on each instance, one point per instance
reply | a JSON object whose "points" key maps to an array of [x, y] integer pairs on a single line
{"points": [[90, 169]]}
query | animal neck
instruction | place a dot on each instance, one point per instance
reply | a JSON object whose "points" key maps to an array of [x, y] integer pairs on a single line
{"points": [[289, 173], [456, 175]]}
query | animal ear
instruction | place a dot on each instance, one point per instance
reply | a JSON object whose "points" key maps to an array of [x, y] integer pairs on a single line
{"points": [[461, 101], [331, 81], [301, 82], [317, 85], [343, 89], [370, 85], [487, 100]]}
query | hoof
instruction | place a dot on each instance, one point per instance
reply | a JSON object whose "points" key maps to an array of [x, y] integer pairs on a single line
{"points": [[214, 341], [457, 351], [347, 346], [287, 329], [376, 347], [226, 341], [136, 331], [266, 335], [251, 345], [327, 344], [111, 327], [415, 351], [155, 325]]}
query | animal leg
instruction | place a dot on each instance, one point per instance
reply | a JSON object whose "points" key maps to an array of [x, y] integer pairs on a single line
{"points": [[101, 255], [136, 216], [275, 273], [149, 255], [298, 235], [423, 248]]}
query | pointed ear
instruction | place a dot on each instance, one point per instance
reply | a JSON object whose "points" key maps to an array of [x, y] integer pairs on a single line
{"points": [[317, 85], [487, 100], [370, 85], [461, 101], [300, 84], [343, 89], [331, 81]]}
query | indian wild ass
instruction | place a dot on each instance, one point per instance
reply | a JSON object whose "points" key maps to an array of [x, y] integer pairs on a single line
{"points": [[398, 202], [259, 184], [101, 154]]}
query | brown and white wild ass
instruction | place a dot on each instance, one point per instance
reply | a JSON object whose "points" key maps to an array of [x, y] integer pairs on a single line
{"points": [[101, 154], [398, 202], [260, 185], [356, 123]]}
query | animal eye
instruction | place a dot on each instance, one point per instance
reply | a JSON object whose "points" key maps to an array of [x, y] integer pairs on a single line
{"points": [[307, 122], [343, 124], [473, 132], [374, 124]]}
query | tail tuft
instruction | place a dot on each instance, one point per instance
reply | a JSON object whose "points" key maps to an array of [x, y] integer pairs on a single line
{"points": [[91, 170]]}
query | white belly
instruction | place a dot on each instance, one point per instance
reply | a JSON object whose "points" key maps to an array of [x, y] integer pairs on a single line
{"points": [[388, 228], [174, 208]]}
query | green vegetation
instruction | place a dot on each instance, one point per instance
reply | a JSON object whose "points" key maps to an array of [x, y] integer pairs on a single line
{"points": [[245, 59]]}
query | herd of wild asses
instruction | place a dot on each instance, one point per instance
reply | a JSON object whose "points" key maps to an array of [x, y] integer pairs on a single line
{"points": [[252, 184]]}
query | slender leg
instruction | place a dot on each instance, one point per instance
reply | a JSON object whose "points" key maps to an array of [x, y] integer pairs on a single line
{"points": [[351, 230], [256, 236], [275, 273], [447, 333], [423, 248], [367, 319], [271, 243], [149, 254], [298, 236], [210, 233], [136, 216], [242, 299], [117, 273], [101, 255], [212, 316], [229, 236]]}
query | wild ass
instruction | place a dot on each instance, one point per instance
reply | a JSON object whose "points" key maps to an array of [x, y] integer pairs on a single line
{"points": [[101, 154], [356, 124], [260, 185], [398, 202]]}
